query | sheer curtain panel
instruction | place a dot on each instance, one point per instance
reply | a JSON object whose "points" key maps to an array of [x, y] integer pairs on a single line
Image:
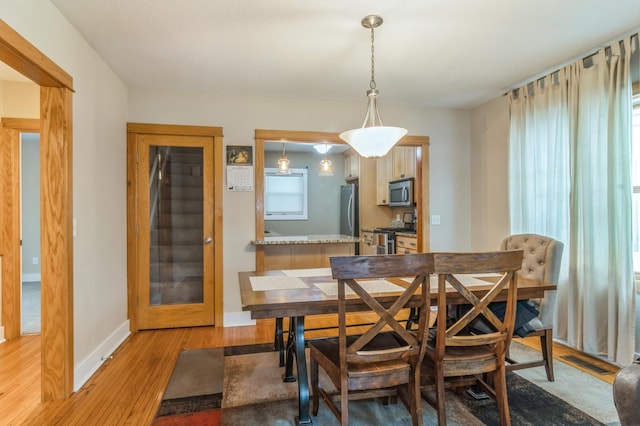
{"points": [[570, 178]]}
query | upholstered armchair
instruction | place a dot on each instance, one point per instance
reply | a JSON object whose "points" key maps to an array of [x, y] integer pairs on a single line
{"points": [[542, 259]]}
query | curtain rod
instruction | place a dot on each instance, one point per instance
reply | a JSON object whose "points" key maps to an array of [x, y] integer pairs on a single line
{"points": [[583, 56]]}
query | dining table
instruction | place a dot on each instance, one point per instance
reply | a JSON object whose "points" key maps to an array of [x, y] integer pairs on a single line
{"points": [[298, 293]]}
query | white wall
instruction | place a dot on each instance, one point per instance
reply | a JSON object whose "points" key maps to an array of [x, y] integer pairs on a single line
{"points": [[99, 180], [489, 171], [239, 116]]}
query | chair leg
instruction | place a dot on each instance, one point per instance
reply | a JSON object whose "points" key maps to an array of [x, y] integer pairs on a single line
{"points": [[344, 405], [546, 344], [440, 407], [315, 398], [415, 400], [500, 387]]}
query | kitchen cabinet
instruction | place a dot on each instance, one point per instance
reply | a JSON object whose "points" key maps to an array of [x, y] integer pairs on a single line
{"points": [[406, 244], [404, 162], [367, 246], [351, 165], [400, 163], [384, 174]]}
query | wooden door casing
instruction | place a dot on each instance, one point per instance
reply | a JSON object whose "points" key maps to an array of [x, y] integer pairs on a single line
{"points": [[56, 203], [140, 316]]}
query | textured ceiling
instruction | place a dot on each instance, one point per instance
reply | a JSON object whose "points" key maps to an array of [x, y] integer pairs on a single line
{"points": [[428, 53]]}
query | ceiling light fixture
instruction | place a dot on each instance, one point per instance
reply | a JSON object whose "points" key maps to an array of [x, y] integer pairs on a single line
{"points": [[325, 164], [322, 148], [373, 139], [283, 163], [325, 167]]}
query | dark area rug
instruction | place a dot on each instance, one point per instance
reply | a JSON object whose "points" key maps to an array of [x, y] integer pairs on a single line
{"points": [[253, 394], [529, 405]]}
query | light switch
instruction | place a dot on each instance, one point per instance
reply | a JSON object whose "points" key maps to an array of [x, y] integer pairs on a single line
{"points": [[435, 219]]}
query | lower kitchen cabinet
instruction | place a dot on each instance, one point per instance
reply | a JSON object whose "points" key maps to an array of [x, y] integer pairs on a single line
{"points": [[406, 244]]}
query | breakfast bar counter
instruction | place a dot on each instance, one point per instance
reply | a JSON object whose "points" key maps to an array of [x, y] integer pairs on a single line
{"points": [[307, 239], [303, 251]]}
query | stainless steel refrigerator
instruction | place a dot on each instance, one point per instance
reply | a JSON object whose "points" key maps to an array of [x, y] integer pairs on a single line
{"points": [[349, 212]]}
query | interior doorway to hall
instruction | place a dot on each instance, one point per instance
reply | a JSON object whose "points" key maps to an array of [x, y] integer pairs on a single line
{"points": [[30, 232]]}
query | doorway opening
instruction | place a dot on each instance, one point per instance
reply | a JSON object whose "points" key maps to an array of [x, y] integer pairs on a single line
{"points": [[30, 232]]}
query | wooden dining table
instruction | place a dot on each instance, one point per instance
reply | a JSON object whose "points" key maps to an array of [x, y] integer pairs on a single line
{"points": [[298, 293]]}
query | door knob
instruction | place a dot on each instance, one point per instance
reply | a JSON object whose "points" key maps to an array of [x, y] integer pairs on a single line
{"points": [[208, 240]]}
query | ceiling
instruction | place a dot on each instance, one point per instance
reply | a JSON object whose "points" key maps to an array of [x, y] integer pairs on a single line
{"points": [[451, 54]]}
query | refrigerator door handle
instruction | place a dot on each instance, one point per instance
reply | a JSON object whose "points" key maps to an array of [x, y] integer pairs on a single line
{"points": [[350, 214]]}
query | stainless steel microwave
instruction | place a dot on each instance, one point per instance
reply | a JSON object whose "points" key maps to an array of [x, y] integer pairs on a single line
{"points": [[401, 193]]}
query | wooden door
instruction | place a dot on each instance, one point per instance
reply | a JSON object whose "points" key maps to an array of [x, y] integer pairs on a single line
{"points": [[174, 226]]}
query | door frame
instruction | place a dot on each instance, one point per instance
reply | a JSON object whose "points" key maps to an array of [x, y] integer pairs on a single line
{"points": [[56, 214], [12, 128], [421, 196], [133, 245]]}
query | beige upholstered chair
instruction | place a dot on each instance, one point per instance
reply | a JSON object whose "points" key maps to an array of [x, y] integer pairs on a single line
{"points": [[542, 258]]}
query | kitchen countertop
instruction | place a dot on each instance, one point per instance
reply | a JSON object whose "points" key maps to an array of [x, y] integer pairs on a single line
{"points": [[307, 239], [400, 231]]}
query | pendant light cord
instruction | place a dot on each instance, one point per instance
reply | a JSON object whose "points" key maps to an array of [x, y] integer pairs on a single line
{"points": [[372, 84]]}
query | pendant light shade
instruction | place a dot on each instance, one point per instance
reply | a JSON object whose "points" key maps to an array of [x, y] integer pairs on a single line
{"points": [[373, 139], [326, 168], [283, 163]]}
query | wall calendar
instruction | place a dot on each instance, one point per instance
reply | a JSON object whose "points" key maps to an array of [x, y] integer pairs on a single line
{"points": [[240, 168]]}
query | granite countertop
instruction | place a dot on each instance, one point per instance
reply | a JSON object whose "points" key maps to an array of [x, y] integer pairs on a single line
{"points": [[307, 239]]}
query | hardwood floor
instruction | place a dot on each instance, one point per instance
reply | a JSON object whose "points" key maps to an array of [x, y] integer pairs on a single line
{"points": [[128, 388]]}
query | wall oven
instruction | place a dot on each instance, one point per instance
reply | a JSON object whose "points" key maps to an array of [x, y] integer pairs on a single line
{"points": [[401, 193]]}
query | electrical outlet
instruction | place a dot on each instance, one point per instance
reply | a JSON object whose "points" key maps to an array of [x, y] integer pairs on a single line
{"points": [[35, 261]]}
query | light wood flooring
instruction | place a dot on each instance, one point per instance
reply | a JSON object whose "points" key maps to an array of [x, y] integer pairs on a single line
{"points": [[128, 388]]}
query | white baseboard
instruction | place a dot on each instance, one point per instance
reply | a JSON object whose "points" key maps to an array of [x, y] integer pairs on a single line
{"points": [[85, 368], [1, 334], [235, 319], [29, 278]]}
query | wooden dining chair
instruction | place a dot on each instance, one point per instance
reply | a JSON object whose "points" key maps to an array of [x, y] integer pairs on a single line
{"points": [[386, 355], [455, 356], [542, 259]]}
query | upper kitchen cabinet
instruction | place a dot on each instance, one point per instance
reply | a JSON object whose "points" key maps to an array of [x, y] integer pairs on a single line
{"points": [[400, 163], [351, 165], [404, 162]]}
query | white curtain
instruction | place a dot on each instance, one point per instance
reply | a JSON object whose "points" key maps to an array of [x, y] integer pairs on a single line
{"points": [[570, 178]]}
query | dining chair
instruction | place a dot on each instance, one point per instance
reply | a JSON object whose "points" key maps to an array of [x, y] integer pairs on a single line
{"points": [[386, 356], [542, 259], [454, 355]]}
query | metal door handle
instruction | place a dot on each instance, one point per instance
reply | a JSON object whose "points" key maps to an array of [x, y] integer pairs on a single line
{"points": [[208, 240]]}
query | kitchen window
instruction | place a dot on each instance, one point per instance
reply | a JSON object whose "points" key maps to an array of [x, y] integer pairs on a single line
{"points": [[285, 195]]}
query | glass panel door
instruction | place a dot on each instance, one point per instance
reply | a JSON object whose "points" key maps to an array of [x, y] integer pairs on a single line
{"points": [[175, 224], [175, 220]]}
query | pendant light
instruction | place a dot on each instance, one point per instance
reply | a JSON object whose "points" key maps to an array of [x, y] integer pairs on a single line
{"points": [[326, 168], [373, 139], [283, 163]]}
